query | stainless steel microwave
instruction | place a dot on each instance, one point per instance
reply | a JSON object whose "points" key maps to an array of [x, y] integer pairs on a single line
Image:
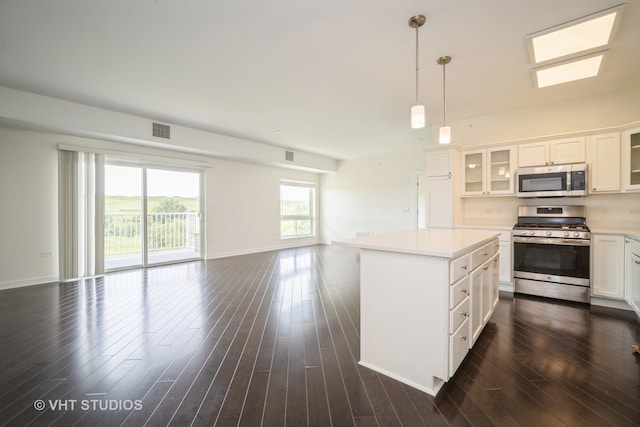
{"points": [[552, 181]]}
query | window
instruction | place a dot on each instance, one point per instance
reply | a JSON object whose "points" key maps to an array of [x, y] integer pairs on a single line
{"points": [[297, 209]]}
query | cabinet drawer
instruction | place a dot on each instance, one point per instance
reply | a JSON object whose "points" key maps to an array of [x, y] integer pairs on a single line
{"points": [[458, 268], [481, 255], [458, 347], [458, 292], [458, 315]]}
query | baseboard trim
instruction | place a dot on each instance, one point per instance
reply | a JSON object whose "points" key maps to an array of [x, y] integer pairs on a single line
{"points": [[259, 250], [28, 282]]}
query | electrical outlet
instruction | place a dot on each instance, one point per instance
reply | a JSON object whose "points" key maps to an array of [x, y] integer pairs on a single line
{"points": [[46, 254]]}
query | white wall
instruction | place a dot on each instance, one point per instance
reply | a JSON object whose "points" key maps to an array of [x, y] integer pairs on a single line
{"points": [[242, 210], [583, 114], [29, 211], [70, 118], [375, 194]]}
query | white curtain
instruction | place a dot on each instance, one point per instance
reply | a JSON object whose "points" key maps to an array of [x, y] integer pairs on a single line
{"points": [[81, 213]]}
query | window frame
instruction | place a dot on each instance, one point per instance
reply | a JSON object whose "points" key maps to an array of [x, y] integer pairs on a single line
{"points": [[312, 210]]}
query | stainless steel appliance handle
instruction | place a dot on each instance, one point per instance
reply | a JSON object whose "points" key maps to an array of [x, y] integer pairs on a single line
{"points": [[552, 241]]}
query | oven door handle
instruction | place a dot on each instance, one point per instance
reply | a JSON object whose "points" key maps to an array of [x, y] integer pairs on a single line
{"points": [[552, 241]]}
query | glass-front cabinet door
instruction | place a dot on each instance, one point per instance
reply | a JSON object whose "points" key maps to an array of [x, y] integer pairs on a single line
{"points": [[474, 171], [631, 158], [489, 171], [501, 170]]}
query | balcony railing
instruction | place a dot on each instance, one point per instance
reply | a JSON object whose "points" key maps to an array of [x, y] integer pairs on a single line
{"points": [[165, 231]]}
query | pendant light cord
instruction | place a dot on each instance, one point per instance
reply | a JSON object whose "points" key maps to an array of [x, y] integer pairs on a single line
{"points": [[444, 91], [417, 68]]}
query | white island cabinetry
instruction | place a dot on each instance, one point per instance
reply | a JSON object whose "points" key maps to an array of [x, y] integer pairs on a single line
{"points": [[418, 304]]}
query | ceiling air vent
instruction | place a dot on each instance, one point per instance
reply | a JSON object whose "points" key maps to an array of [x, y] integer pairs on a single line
{"points": [[288, 155], [161, 131]]}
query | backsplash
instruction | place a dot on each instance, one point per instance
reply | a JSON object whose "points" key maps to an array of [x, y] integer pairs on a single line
{"points": [[604, 211]]}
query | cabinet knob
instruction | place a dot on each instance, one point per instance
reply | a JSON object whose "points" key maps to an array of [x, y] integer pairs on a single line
{"points": [[485, 254], [637, 262], [464, 291], [465, 314], [594, 189], [464, 267], [486, 268], [463, 338]]}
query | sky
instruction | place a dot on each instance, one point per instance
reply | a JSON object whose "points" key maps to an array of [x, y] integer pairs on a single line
{"points": [[127, 181]]}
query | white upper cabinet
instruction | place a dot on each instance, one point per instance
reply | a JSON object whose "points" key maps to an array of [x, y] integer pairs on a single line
{"points": [[533, 154], [473, 175], [442, 205], [604, 160], [559, 151], [631, 159], [440, 163], [489, 171], [501, 170]]}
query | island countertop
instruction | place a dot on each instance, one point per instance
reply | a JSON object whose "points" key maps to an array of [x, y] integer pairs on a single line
{"points": [[438, 242]]}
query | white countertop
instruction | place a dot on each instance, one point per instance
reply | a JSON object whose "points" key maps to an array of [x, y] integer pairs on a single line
{"points": [[438, 242]]}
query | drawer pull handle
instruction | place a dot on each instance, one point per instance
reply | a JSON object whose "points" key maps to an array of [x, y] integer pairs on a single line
{"points": [[463, 338], [485, 254], [464, 314], [464, 267], [637, 262], [464, 291], [486, 268]]}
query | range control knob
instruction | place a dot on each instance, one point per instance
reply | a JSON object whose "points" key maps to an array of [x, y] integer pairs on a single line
{"points": [[566, 234], [531, 233], [548, 233], [576, 234]]}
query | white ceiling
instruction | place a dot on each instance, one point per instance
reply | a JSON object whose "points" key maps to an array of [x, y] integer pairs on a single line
{"points": [[333, 77]]}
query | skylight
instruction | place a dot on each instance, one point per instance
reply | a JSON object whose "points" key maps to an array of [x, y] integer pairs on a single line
{"points": [[561, 51], [577, 69]]}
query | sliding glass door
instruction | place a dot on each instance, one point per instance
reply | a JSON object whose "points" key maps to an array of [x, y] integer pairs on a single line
{"points": [[123, 228], [173, 215], [152, 215]]}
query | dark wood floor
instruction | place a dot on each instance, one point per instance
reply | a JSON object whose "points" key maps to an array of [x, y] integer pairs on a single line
{"points": [[272, 339]]}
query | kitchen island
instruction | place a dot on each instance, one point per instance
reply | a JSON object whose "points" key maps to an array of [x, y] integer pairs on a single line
{"points": [[425, 296]]}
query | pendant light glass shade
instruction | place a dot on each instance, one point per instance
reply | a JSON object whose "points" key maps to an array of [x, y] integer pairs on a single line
{"points": [[417, 117], [445, 135], [445, 131]]}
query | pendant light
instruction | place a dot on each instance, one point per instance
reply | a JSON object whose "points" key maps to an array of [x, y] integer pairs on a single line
{"points": [[445, 131], [417, 111]]}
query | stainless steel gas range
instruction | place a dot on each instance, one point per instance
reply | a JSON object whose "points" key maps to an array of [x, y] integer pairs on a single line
{"points": [[551, 248]]}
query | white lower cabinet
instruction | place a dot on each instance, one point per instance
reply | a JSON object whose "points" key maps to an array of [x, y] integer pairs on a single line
{"points": [[607, 278], [458, 347], [484, 285], [505, 269], [495, 281], [476, 305], [632, 274]]}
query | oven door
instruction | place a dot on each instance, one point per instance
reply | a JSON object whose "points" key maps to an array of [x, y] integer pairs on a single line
{"points": [[552, 260]]}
